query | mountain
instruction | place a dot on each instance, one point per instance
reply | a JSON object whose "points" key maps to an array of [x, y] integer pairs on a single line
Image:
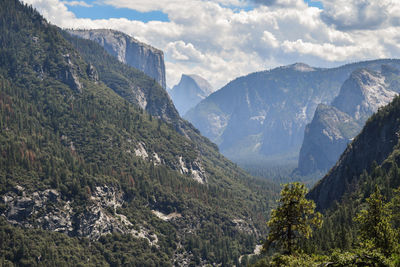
{"points": [[370, 162], [128, 50], [190, 90], [98, 169], [374, 152], [333, 127], [264, 114]]}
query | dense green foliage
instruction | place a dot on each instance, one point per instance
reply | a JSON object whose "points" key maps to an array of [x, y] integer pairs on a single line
{"points": [[30, 247], [280, 173], [376, 239], [375, 229], [292, 220], [64, 130]]}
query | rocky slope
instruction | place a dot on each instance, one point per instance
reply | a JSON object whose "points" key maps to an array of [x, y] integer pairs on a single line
{"points": [[128, 50], [190, 90], [333, 127], [372, 153], [264, 114]]}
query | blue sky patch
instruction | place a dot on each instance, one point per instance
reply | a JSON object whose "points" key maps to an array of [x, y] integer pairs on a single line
{"points": [[314, 4], [101, 11], [94, 10]]}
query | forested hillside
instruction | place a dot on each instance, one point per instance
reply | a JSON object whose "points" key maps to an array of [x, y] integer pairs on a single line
{"points": [[90, 178]]}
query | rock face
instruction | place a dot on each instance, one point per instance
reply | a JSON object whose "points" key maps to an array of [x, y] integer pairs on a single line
{"points": [[362, 94], [48, 210], [333, 127], [69, 74], [264, 114], [189, 92], [325, 138], [129, 51]]}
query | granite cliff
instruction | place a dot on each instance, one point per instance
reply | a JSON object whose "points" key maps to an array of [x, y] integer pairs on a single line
{"points": [[128, 50]]}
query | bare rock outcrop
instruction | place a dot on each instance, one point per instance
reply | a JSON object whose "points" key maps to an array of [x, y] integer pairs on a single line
{"points": [[129, 51]]}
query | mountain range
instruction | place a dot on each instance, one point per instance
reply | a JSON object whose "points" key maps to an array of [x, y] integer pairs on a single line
{"points": [[264, 115]]}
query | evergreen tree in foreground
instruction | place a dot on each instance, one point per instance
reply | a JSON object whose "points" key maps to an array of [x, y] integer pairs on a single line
{"points": [[293, 219], [375, 229]]}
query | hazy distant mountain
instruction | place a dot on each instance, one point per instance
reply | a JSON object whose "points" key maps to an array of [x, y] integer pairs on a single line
{"points": [[128, 50], [333, 127], [189, 92], [264, 114]]}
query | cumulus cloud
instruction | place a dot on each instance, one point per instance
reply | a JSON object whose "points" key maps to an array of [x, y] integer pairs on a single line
{"points": [[77, 3], [360, 14], [217, 40], [281, 3], [179, 50]]}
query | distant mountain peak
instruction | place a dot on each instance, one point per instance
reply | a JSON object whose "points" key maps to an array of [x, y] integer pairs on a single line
{"points": [[202, 83], [190, 90], [301, 67], [363, 93]]}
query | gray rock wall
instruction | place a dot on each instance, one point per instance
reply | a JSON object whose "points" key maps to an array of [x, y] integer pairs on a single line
{"points": [[129, 51]]}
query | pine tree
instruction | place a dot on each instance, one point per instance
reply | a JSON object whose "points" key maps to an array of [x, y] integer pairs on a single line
{"points": [[375, 228], [293, 219]]}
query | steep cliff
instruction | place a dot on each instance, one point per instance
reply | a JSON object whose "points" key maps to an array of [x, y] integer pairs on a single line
{"points": [[190, 90], [333, 127], [129, 51], [325, 138]]}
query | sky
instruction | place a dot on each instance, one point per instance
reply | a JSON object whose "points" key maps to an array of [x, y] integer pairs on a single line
{"points": [[221, 40]]}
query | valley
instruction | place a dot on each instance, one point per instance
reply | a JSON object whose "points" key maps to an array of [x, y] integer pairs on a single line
{"points": [[104, 163]]}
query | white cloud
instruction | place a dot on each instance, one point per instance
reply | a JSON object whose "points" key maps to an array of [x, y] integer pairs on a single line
{"points": [[281, 3], [360, 14], [220, 43], [76, 3], [179, 50]]}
